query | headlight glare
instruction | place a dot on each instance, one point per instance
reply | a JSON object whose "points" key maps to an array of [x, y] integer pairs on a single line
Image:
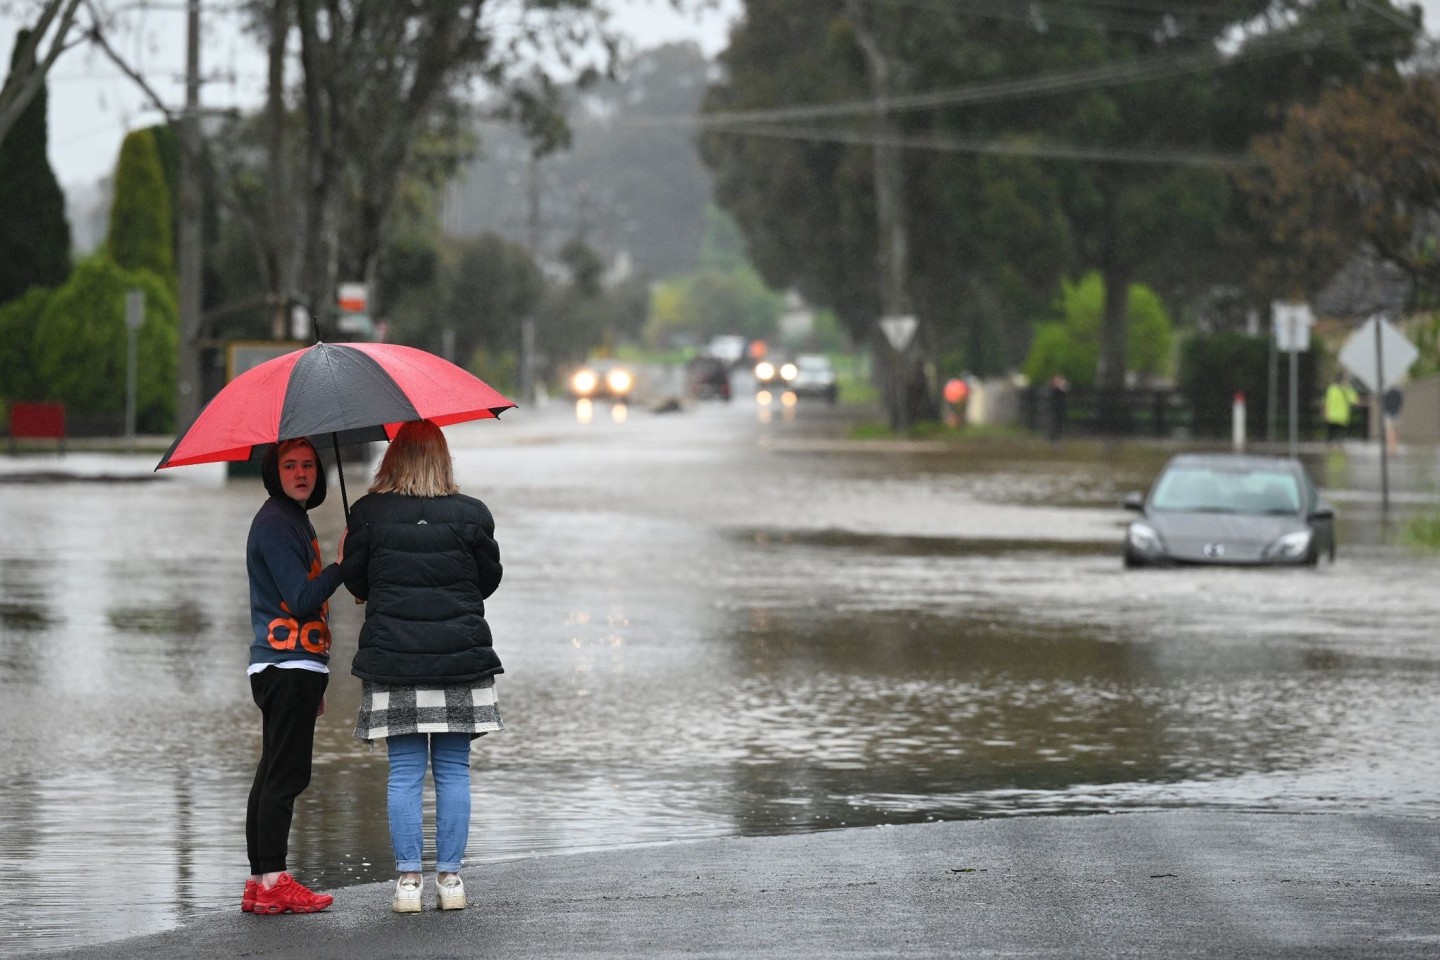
{"points": [[619, 381], [584, 382]]}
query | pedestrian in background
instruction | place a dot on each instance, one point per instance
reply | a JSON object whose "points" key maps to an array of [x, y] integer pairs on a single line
{"points": [[423, 557], [1391, 402], [1340, 397], [289, 668]]}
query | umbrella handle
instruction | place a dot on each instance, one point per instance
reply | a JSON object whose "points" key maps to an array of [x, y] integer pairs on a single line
{"points": [[340, 472]]}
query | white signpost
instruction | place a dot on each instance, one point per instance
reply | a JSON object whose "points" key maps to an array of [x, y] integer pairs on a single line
{"points": [[1292, 326], [1292, 335], [1379, 356]]}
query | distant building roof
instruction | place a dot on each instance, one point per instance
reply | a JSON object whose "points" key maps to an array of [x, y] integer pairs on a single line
{"points": [[1365, 286]]}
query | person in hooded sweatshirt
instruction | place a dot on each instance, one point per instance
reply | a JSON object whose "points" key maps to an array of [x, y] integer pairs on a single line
{"points": [[289, 667]]}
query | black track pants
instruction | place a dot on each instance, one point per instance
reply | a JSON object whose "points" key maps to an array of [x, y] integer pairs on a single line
{"points": [[287, 700]]}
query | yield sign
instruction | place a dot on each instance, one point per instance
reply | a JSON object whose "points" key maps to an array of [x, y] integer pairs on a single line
{"points": [[1395, 355], [899, 330]]}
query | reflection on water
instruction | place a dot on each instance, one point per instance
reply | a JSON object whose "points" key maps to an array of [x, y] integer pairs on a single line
{"points": [[707, 632]]}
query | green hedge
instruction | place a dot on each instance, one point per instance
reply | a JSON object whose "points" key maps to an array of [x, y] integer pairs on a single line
{"points": [[1214, 367]]}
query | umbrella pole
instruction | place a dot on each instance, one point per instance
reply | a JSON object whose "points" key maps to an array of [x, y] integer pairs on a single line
{"points": [[340, 472]]}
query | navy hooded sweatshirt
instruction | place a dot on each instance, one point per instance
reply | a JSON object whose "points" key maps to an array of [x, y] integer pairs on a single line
{"points": [[289, 583]]}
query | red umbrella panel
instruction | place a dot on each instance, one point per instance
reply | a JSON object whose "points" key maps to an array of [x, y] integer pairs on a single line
{"points": [[352, 391]]}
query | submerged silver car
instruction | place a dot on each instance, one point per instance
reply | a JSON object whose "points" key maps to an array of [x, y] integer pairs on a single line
{"points": [[1230, 509]]}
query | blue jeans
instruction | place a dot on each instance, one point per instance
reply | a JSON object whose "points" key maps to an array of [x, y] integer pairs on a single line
{"points": [[448, 756]]}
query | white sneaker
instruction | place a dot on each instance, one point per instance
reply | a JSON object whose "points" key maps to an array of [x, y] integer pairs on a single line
{"points": [[450, 893], [407, 895]]}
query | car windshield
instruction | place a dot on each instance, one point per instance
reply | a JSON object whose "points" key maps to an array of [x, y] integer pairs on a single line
{"points": [[1210, 490]]}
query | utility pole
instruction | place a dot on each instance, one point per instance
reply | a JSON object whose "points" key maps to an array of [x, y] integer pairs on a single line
{"points": [[527, 323], [189, 374], [893, 253]]}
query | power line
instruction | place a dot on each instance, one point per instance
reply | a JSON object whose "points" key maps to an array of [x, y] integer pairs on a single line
{"points": [[1128, 18], [1090, 78], [998, 147]]}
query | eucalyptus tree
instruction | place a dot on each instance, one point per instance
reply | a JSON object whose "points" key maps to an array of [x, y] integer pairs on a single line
{"points": [[377, 78], [1038, 142]]}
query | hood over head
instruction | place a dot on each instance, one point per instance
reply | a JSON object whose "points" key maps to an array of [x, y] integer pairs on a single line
{"points": [[270, 473]]}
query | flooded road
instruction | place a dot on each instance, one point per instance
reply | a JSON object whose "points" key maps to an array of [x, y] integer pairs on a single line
{"points": [[712, 625]]}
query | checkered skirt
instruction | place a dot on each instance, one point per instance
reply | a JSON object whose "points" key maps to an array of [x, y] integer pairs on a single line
{"points": [[389, 711]]}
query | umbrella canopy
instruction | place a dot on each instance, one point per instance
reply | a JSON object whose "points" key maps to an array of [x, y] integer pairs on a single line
{"points": [[352, 391]]}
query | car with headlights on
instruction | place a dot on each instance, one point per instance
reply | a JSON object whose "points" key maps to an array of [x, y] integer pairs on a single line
{"points": [[775, 373], [1230, 509], [603, 380]]}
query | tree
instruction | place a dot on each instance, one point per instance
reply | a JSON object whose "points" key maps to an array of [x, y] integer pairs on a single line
{"points": [[489, 285], [1359, 166], [801, 204], [19, 320], [1115, 123], [140, 236], [710, 303], [34, 235], [1071, 345], [629, 186], [35, 53], [79, 347], [375, 76]]}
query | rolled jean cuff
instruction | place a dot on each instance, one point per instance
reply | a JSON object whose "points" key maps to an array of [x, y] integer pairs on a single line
{"points": [[447, 868], [407, 866]]}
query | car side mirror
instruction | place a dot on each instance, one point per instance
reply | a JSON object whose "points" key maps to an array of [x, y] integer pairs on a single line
{"points": [[1322, 511], [1134, 501]]}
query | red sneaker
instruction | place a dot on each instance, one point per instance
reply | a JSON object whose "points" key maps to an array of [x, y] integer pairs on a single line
{"points": [[288, 895], [247, 902]]}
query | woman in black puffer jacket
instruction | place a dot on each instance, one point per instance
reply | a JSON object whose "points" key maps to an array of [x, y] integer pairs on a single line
{"points": [[423, 557]]}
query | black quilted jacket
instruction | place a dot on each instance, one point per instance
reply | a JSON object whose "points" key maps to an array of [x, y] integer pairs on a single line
{"points": [[424, 567]]}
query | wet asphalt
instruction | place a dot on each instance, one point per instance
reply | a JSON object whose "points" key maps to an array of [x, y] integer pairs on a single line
{"points": [[1175, 884]]}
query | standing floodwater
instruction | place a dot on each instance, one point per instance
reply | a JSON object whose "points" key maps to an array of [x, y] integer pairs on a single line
{"points": [[711, 625]]}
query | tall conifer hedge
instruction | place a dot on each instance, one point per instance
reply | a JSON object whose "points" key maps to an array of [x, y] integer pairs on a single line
{"points": [[34, 235]]}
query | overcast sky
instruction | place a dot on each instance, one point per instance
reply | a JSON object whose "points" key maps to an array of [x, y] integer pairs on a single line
{"points": [[92, 105]]}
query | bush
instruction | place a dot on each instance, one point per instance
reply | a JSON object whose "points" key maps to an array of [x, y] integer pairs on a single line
{"points": [[1213, 368], [79, 349], [19, 319]]}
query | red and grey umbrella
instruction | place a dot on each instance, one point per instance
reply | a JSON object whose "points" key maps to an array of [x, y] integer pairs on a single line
{"points": [[351, 391]]}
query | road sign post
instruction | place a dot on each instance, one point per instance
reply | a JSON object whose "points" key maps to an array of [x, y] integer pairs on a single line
{"points": [[899, 331], [1292, 335], [1379, 356], [134, 318]]}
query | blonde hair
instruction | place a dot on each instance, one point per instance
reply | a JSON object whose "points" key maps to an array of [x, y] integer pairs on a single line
{"points": [[417, 463]]}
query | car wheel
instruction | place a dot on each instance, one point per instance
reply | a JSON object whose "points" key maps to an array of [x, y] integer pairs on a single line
{"points": [[1131, 561]]}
